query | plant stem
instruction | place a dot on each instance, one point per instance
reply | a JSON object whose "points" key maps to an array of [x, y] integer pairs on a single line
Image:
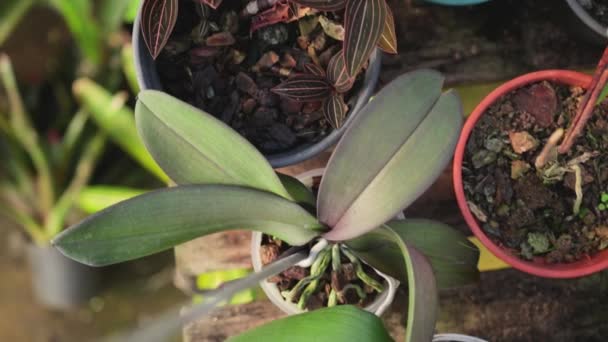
{"points": [[585, 110], [84, 170], [30, 226], [26, 134], [549, 147]]}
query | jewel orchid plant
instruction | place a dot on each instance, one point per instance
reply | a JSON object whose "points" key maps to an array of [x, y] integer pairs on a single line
{"points": [[398, 145]]}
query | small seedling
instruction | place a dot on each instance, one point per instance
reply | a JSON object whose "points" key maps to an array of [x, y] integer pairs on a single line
{"points": [[604, 202]]}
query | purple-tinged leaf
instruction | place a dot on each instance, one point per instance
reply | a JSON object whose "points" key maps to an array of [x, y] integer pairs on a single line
{"points": [[335, 110], [157, 23], [337, 74], [323, 5], [304, 88], [364, 24], [314, 69], [388, 39], [399, 144]]}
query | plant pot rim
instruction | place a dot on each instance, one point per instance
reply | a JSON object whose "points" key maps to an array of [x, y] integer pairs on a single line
{"points": [[148, 78], [587, 18], [595, 263]]}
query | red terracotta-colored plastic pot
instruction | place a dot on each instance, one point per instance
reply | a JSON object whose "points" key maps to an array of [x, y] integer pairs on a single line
{"points": [[538, 267]]}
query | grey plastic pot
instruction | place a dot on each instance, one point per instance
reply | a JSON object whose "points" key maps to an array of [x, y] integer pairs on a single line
{"points": [[59, 282], [587, 26], [378, 306], [148, 78]]}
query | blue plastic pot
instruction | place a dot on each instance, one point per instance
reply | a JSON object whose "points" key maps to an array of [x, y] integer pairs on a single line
{"points": [[148, 78], [457, 2]]}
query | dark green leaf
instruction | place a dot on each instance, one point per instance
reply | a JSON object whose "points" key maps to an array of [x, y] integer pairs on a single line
{"points": [[304, 88], [364, 24], [323, 5], [298, 191], [388, 39], [453, 257], [158, 19], [398, 145], [335, 110], [11, 13], [314, 69], [337, 74], [338, 324], [195, 148], [159, 220]]}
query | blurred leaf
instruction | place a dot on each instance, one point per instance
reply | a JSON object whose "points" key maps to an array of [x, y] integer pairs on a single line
{"points": [[298, 191], [96, 198], [337, 74], [215, 279], [111, 14], [118, 123], [128, 67], [422, 293], [453, 257], [159, 220], [399, 144], [388, 39], [195, 148], [158, 18], [11, 12], [364, 23], [131, 12], [600, 99], [323, 5], [343, 323], [304, 88], [78, 15]]}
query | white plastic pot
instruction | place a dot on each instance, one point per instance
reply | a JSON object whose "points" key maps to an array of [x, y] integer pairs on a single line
{"points": [[456, 338], [377, 307]]}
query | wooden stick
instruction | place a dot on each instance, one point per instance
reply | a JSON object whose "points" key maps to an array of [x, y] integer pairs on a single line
{"points": [[585, 111]]}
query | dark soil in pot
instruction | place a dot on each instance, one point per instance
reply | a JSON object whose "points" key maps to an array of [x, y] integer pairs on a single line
{"points": [[215, 62], [597, 9], [344, 282], [533, 211]]}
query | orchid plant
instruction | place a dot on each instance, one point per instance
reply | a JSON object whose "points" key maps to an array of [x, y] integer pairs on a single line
{"points": [[397, 146]]}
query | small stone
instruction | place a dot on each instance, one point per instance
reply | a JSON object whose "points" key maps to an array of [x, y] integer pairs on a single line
{"points": [[503, 210], [264, 116], [267, 98], [539, 242], [248, 106], [564, 242], [282, 134], [519, 168], [602, 232], [246, 84], [221, 39], [289, 106], [296, 273], [522, 142], [274, 34], [287, 61], [483, 158], [477, 212], [494, 145], [268, 59], [540, 100]]}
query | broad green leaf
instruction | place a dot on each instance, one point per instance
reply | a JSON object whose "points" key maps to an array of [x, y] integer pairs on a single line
{"points": [[117, 121], [398, 145], [297, 191], [159, 220], [341, 323], [193, 147], [453, 257], [96, 198], [422, 289], [78, 15], [11, 13]]}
